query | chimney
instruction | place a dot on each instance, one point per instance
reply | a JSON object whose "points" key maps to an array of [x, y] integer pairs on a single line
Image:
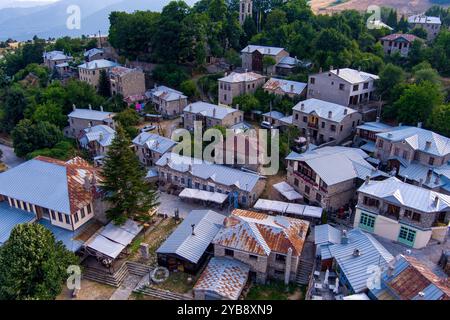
{"points": [[427, 145], [74, 107], [87, 183], [419, 125], [344, 237], [429, 174], [190, 108], [237, 106], [100, 136], [320, 70], [378, 119], [436, 201], [302, 107], [367, 180], [268, 50], [287, 271], [331, 68], [193, 229], [356, 253], [400, 124], [96, 65], [438, 179], [345, 111], [420, 182], [90, 107], [359, 69], [101, 108], [330, 114], [337, 72], [214, 112], [292, 88]]}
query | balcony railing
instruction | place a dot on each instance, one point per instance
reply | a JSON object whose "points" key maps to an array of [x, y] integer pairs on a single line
{"points": [[313, 125], [306, 179]]}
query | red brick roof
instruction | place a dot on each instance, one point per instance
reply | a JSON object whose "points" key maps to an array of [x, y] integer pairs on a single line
{"points": [[396, 36]]}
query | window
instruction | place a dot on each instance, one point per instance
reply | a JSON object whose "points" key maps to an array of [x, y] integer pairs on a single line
{"points": [[408, 214], [76, 217], [296, 116], [333, 127], [356, 87], [307, 189], [341, 86], [67, 217], [416, 216], [53, 215], [280, 258], [279, 272], [431, 161], [83, 214], [60, 218], [296, 182], [407, 236], [253, 257], [396, 152], [323, 125], [182, 180], [380, 143], [405, 154], [366, 85], [313, 80], [229, 253], [342, 128], [305, 119], [318, 197], [371, 202], [367, 222]]}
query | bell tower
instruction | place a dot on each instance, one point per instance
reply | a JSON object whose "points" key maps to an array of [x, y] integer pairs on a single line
{"points": [[245, 10]]}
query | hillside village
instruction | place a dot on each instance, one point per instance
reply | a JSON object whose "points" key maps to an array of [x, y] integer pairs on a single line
{"points": [[91, 131]]}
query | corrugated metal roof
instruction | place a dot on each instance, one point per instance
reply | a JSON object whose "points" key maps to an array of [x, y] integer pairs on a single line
{"points": [[420, 18], [326, 234], [274, 115], [9, 218], [262, 49], [98, 64], [209, 110], [191, 247], [355, 268], [92, 52], [286, 120], [165, 93], [154, 142], [205, 170], [417, 138], [262, 234], [235, 77], [375, 126], [103, 134], [56, 55], [323, 108], [354, 76], [286, 86], [407, 195], [224, 277], [89, 114]]}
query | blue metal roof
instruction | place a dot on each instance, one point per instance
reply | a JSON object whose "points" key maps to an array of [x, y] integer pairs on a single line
{"points": [[326, 234], [64, 235], [191, 247], [9, 218], [154, 142]]}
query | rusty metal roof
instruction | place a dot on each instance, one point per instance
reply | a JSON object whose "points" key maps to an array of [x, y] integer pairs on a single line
{"points": [[262, 234]]}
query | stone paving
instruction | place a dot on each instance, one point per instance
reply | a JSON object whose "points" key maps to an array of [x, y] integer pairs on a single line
{"points": [[126, 288]]}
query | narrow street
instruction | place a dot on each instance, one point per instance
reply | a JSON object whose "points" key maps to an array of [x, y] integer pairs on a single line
{"points": [[9, 157]]}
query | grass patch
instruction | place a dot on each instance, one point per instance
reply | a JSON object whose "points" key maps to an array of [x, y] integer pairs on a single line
{"points": [[272, 291], [177, 282]]}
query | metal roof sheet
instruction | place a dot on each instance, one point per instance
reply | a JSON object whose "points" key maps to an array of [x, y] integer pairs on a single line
{"points": [[323, 108], [205, 170], [98, 64], [287, 86], [154, 142], [209, 110], [274, 114], [203, 195], [354, 76], [92, 52], [56, 55], [326, 234], [236, 77], [9, 218], [421, 18], [224, 277], [188, 246], [375, 126], [165, 93], [89, 114], [262, 49], [103, 134]]}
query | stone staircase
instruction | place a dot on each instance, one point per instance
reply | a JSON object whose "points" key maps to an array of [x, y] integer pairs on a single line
{"points": [[161, 294], [304, 272], [138, 269], [115, 279]]}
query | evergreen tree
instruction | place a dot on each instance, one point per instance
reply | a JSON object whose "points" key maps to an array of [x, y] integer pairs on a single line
{"points": [[103, 84], [123, 182]]}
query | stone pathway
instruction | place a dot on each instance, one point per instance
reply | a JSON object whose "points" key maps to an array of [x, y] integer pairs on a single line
{"points": [[126, 288]]}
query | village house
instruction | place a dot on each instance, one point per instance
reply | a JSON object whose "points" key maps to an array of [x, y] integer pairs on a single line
{"points": [[224, 278], [325, 122], [150, 147], [169, 102], [346, 87], [273, 117], [288, 65], [62, 196], [236, 84], [80, 119], [210, 115], [126, 82], [270, 245], [182, 172], [94, 54], [282, 88], [97, 140], [89, 72], [330, 176], [252, 57], [189, 246], [53, 58], [407, 278], [398, 43], [352, 258], [402, 212], [419, 156], [366, 135], [432, 25]]}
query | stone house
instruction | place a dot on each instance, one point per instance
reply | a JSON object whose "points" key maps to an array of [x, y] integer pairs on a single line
{"points": [[270, 245], [432, 25], [330, 176], [366, 135], [94, 54], [53, 58], [325, 122], [346, 87], [281, 87], [252, 57], [150, 147], [80, 119], [97, 140], [398, 42], [419, 156], [210, 115], [402, 212], [182, 172], [126, 82], [236, 84], [89, 72], [169, 102]]}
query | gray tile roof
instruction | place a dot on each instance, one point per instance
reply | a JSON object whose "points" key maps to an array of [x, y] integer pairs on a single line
{"points": [[154, 142], [191, 247], [417, 138], [348, 163], [355, 268], [322, 108], [207, 110], [89, 114], [206, 170], [407, 195]]}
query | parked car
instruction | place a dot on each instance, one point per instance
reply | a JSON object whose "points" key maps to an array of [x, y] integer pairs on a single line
{"points": [[266, 125], [148, 128]]}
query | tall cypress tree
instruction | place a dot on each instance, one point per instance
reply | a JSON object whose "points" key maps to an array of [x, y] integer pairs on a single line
{"points": [[123, 182], [103, 84]]}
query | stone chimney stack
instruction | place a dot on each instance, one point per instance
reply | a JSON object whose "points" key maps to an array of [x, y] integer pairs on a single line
{"points": [[429, 174], [74, 107], [287, 272], [214, 112], [367, 180], [193, 229], [330, 114], [344, 237], [419, 125], [90, 107], [101, 108], [345, 111], [292, 88], [302, 107]]}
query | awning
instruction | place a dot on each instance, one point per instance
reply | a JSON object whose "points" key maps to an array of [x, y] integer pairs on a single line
{"points": [[287, 191], [288, 208], [203, 195], [107, 247]]}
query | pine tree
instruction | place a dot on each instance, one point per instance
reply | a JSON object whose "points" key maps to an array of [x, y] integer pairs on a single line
{"points": [[103, 84], [123, 182]]}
